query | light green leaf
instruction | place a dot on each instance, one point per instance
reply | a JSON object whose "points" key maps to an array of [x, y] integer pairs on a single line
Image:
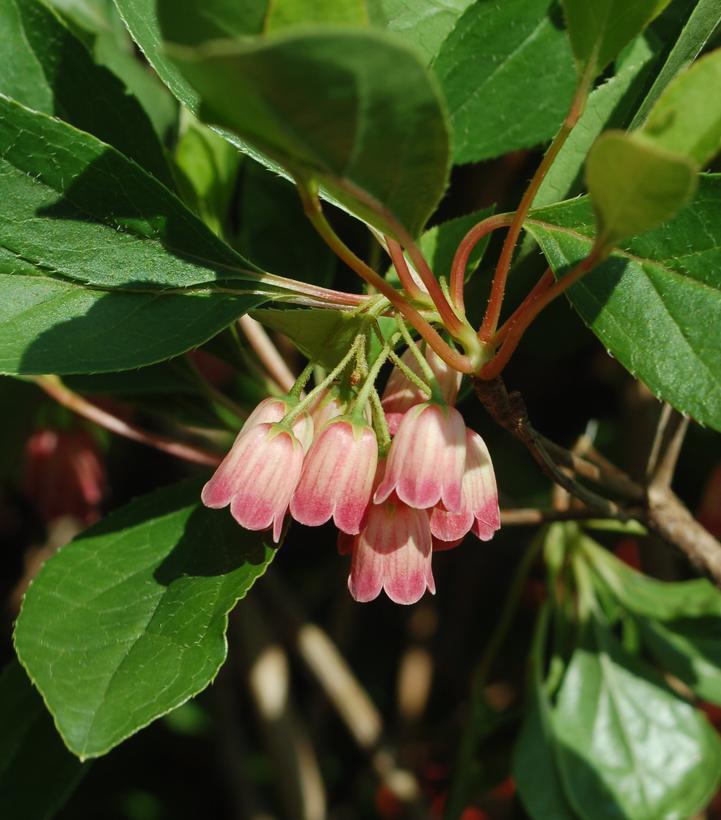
{"points": [[424, 25], [325, 104], [656, 304], [499, 57], [690, 649], [649, 597], [98, 274], [601, 28], [37, 773], [686, 118], [635, 186], [44, 66], [207, 166], [128, 620], [704, 19], [322, 335], [283, 13], [628, 746], [608, 106]]}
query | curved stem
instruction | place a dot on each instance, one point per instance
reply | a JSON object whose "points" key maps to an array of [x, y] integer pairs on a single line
{"points": [[524, 318], [63, 395], [493, 312], [402, 269], [463, 253], [267, 352], [314, 212], [333, 297]]}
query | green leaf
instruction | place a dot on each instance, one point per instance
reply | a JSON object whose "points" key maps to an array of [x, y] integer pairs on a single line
{"points": [[635, 186], [628, 746], [704, 19], [208, 167], [128, 620], [690, 649], [44, 66], [535, 764], [600, 29], [83, 257], [499, 57], [424, 25], [37, 773], [649, 597], [656, 305], [323, 335], [282, 13], [274, 231], [607, 107], [686, 118], [326, 105]]}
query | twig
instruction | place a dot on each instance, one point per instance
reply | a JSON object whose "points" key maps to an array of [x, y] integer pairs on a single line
{"points": [[530, 516], [345, 693], [267, 352], [670, 433], [55, 388]]}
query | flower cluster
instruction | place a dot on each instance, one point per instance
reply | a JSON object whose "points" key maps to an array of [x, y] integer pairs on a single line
{"points": [[434, 486]]}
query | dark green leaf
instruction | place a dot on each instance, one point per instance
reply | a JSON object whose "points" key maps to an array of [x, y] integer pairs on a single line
{"points": [[499, 58], [128, 620], [600, 29], [325, 104], [607, 107], [440, 242], [94, 273], [44, 66], [322, 335], [656, 305], [686, 118], [635, 186], [701, 24], [422, 24], [690, 649], [535, 764], [275, 233], [628, 746], [37, 773]]}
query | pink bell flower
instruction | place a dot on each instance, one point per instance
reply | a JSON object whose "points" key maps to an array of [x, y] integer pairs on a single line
{"points": [[328, 406], [400, 394], [337, 478], [392, 553], [257, 477], [427, 458], [272, 410], [480, 512]]}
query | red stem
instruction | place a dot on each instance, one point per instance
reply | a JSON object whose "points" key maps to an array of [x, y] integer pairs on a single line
{"points": [[523, 318], [538, 289], [465, 249], [498, 289], [402, 269], [55, 388]]}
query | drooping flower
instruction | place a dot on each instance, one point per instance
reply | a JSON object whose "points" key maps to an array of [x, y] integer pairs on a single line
{"points": [[257, 477], [427, 458], [272, 410], [400, 394], [480, 512], [337, 478], [391, 553], [327, 406]]}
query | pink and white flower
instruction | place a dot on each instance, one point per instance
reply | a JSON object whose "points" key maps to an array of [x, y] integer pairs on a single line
{"points": [[272, 410], [480, 512], [400, 394], [257, 477], [392, 553], [427, 458], [337, 478]]}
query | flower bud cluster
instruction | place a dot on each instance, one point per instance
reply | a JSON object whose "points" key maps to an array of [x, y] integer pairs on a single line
{"points": [[435, 485]]}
